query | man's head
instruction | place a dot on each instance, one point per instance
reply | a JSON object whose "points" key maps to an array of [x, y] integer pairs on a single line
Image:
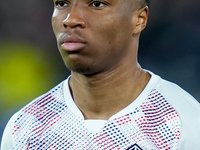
{"points": [[97, 36]]}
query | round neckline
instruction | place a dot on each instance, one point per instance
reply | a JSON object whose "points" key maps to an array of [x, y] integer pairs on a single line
{"points": [[143, 95]]}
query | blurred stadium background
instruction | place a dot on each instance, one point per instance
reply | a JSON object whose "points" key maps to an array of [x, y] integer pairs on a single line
{"points": [[30, 63]]}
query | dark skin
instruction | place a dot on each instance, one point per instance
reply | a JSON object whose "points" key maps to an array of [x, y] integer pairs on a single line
{"points": [[98, 41]]}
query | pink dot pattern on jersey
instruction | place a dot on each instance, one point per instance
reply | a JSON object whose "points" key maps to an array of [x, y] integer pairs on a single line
{"points": [[48, 124]]}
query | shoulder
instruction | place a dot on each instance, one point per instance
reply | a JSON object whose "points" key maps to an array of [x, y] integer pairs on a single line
{"points": [[6, 143], [177, 96], [188, 109], [45, 106], [43, 102], [174, 93]]}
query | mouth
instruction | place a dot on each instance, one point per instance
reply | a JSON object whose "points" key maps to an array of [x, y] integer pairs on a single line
{"points": [[72, 43]]}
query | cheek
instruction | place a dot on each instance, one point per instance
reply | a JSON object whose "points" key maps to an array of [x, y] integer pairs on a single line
{"points": [[56, 21], [55, 13], [115, 28], [53, 23], [115, 33], [104, 31], [53, 19]]}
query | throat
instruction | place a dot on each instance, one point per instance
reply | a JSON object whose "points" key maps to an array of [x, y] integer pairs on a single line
{"points": [[101, 99]]}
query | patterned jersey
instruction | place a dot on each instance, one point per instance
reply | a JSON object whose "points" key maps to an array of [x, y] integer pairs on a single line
{"points": [[51, 123]]}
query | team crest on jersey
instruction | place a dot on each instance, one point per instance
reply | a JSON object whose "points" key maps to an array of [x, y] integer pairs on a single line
{"points": [[134, 147]]}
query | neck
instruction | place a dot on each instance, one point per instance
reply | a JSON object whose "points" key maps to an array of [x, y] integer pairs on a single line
{"points": [[101, 96]]}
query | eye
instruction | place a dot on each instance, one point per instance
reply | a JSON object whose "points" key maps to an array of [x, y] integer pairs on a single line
{"points": [[97, 4], [61, 3]]}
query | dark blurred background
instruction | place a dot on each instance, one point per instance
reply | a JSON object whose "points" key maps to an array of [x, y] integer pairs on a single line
{"points": [[30, 63]]}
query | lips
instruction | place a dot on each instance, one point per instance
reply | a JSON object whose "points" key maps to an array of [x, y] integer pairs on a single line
{"points": [[72, 43], [73, 46]]}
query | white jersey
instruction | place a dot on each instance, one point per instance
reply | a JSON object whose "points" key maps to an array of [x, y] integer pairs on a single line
{"points": [[162, 117]]}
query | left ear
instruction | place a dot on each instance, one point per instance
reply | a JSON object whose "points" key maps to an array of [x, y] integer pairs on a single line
{"points": [[140, 21]]}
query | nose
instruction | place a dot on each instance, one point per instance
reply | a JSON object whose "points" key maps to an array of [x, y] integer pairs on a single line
{"points": [[74, 18]]}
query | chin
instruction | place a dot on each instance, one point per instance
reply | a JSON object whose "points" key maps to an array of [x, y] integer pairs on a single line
{"points": [[86, 71]]}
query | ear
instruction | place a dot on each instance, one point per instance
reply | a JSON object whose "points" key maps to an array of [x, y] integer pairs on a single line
{"points": [[140, 21]]}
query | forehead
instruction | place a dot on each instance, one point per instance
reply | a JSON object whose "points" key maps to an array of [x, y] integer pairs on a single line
{"points": [[131, 3]]}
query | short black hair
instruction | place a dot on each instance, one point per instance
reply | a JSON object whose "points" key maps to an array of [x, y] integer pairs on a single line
{"points": [[145, 2]]}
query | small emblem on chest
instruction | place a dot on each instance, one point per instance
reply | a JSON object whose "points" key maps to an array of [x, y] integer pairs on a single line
{"points": [[134, 147]]}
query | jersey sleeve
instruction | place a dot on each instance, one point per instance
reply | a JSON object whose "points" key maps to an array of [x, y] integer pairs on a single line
{"points": [[6, 143]]}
